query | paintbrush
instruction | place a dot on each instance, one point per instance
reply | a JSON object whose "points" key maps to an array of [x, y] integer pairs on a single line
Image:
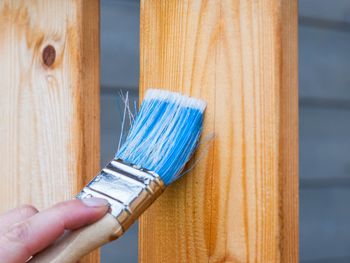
{"points": [[160, 142]]}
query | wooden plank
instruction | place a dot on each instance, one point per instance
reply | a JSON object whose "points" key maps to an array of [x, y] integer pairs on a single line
{"points": [[324, 224], [324, 63], [240, 202], [49, 103]]}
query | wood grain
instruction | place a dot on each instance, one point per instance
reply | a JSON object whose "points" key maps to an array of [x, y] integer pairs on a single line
{"points": [[49, 112], [240, 202]]}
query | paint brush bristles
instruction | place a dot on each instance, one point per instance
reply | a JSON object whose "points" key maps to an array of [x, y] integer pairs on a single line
{"points": [[164, 134]]}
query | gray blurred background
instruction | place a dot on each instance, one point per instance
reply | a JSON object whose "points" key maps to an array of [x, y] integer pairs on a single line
{"points": [[120, 24], [324, 86]]}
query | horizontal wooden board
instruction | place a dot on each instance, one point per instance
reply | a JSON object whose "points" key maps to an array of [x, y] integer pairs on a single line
{"points": [[324, 144], [338, 10], [324, 63], [120, 22], [324, 225]]}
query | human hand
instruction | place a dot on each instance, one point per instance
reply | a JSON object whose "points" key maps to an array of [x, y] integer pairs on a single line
{"points": [[24, 231]]}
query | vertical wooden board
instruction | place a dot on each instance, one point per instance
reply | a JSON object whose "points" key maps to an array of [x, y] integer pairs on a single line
{"points": [[49, 112], [240, 202]]}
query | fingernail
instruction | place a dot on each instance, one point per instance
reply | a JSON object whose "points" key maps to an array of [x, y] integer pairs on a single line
{"points": [[95, 202]]}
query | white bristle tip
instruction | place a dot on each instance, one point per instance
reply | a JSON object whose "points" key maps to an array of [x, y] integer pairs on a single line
{"points": [[175, 97]]}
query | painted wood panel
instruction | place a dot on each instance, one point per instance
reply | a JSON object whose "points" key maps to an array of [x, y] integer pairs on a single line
{"points": [[240, 202]]}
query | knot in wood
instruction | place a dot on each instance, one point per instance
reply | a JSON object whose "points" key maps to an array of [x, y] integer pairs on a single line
{"points": [[49, 55]]}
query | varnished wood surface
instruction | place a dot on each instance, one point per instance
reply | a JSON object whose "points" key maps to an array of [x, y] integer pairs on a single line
{"points": [[49, 113], [240, 202]]}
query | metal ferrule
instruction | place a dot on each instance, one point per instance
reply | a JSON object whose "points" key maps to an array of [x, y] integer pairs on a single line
{"points": [[129, 189]]}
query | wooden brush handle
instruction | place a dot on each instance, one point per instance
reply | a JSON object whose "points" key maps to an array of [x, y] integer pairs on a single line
{"points": [[74, 245]]}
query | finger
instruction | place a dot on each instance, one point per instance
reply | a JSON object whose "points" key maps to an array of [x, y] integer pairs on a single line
{"points": [[15, 216], [31, 236]]}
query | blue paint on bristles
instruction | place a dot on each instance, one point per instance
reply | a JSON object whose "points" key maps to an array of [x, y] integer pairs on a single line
{"points": [[164, 134]]}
